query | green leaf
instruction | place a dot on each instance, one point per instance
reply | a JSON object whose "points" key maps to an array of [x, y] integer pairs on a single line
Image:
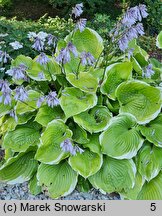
{"points": [[93, 144], [121, 140], [153, 131], [21, 59], [95, 119], [136, 66], [19, 169], [20, 139], [139, 99], [152, 190], [132, 193], [50, 152], [60, 180], [114, 175], [4, 109], [85, 81], [89, 41], [114, 75], [47, 114], [149, 161], [159, 40], [87, 163], [34, 188], [73, 101], [30, 104], [79, 134]]}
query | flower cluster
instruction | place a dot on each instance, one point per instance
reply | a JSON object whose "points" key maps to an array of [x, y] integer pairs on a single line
{"points": [[87, 58], [6, 92], [4, 57], [129, 27], [18, 73], [42, 59], [148, 72], [16, 45], [67, 146], [21, 94], [51, 100], [41, 39]]}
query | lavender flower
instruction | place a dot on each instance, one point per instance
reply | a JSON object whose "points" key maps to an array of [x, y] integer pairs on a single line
{"points": [[38, 44], [41, 75], [81, 24], [6, 92], [4, 57], [64, 55], [12, 113], [40, 101], [139, 28], [16, 45], [18, 73], [132, 33], [87, 58], [67, 146], [52, 100], [77, 10], [131, 16], [51, 40], [78, 149], [43, 59], [21, 94], [148, 72], [32, 35], [42, 35], [123, 43], [143, 10]]}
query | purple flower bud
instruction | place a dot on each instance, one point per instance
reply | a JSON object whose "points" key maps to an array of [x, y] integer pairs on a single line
{"points": [[131, 16], [87, 58], [6, 92], [148, 72], [143, 10], [51, 40], [40, 101], [38, 44], [81, 24], [13, 114], [72, 49], [139, 28], [52, 100], [21, 94], [43, 59], [67, 146], [4, 57], [132, 33], [123, 43], [78, 149], [77, 10]]}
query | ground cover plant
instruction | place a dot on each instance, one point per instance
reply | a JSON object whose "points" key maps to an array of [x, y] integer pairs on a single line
{"points": [[81, 113]]}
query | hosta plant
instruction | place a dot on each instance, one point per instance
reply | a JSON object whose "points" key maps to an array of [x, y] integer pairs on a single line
{"points": [[86, 115]]}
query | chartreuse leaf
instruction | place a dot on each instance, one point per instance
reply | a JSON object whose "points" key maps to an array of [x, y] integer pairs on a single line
{"points": [[19, 169], [136, 66], [89, 41], [132, 193], [152, 190], [153, 131], [139, 99], [121, 140], [20, 139], [84, 81], [47, 114], [95, 119], [93, 144], [73, 101], [159, 40], [87, 163], [79, 134], [21, 59], [34, 187], [60, 179], [149, 161], [50, 152], [114, 75], [114, 175], [30, 104]]}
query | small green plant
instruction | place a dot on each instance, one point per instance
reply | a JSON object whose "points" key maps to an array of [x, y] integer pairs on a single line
{"points": [[84, 112]]}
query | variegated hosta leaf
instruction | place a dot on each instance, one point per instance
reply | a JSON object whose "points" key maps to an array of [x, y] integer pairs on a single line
{"points": [[85, 81], [21, 139], [132, 193], [21, 59], [139, 99], [159, 40], [115, 74], [89, 41], [136, 66], [149, 161], [73, 101], [60, 179], [121, 140], [30, 104], [114, 175], [95, 119], [93, 144], [50, 152], [19, 169], [87, 163], [153, 131], [152, 190], [79, 134], [34, 187], [47, 114]]}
